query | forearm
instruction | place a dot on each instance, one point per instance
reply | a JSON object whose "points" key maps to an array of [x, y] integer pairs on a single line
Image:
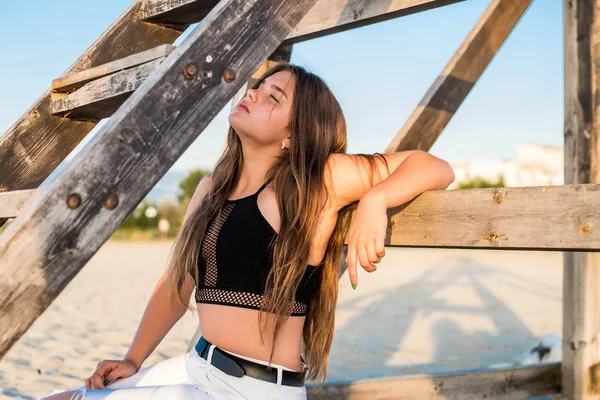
{"points": [[418, 173], [157, 320]]}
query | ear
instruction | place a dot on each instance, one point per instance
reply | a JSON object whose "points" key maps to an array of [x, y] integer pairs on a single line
{"points": [[286, 141]]}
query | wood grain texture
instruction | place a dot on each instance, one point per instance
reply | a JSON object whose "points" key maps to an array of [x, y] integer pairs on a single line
{"points": [[49, 243], [325, 18], [535, 218], [11, 203], [509, 383], [447, 93], [100, 98], [38, 141], [79, 79], [581, 273]]}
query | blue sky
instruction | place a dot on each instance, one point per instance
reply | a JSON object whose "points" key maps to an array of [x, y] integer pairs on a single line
{"points": [[379, 73]]}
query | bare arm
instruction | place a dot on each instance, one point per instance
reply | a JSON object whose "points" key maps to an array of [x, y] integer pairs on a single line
{"points": [[160, 315]]}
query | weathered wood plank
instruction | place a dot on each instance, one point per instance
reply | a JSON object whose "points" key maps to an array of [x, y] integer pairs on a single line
{"points": [[554, 218], [459, 76], [533, 218], [78, 79], [11, 203], [38, 141], [325, 18], [100, 98], [49, 242], [505, 384], [581, 272]]}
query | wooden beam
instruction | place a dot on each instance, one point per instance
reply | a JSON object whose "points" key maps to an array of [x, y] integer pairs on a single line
{"points": [[533, 218], [506, 383], [553, 218], [581, 273], [75, 81], [459, 76], [46, 246], [325, 18], [38, 141], [100, 98], [11, 203]]}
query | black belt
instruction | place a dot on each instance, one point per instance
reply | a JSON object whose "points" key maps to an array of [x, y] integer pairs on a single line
{"points": [[238, 367]]}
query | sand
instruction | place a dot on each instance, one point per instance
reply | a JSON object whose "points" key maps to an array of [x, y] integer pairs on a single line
{"points": [[422, 311]]}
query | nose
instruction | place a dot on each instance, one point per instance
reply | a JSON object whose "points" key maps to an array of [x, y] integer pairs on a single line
{"points": [[251, 94]]}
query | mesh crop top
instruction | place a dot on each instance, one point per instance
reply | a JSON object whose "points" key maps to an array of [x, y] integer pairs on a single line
{"points": [[236, 256]]}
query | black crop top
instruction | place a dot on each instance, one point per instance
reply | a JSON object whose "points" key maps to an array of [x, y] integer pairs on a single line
{"points": [[235, 259]]}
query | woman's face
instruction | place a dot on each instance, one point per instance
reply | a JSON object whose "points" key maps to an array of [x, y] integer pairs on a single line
{"points": [[264, 113]]}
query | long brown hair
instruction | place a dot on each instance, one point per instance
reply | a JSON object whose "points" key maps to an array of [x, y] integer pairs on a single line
{"points": [[318, 129]]}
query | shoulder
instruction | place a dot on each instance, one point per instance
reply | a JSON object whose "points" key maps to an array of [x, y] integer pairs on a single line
{"points": [[201, 191], [349, 176]]}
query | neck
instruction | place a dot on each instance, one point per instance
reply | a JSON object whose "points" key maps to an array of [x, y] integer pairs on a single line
{"points": [[257, 161]]}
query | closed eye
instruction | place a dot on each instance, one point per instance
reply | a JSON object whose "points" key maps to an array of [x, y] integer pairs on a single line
{"points": [[274, 98]]}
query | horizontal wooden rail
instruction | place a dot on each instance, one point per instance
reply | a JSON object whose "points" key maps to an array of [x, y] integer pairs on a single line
{"points": [[11, 203], [100, 98], [506, 383], [533, 218]]}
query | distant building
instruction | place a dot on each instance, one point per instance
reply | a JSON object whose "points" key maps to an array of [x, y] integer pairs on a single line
{"points": [[536, 165]]}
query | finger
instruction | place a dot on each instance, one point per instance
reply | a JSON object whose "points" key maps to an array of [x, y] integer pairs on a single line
{"points": [[380, 245], [97, 381], [373, 258], [351, 264], [87, 384], [364, 259]]}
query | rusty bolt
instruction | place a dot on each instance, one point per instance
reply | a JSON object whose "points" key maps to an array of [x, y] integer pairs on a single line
{"points": [[190, 71], [229, 75], [498, 198], [74, 200], [585, 229], [492, 237], [111, 201]]}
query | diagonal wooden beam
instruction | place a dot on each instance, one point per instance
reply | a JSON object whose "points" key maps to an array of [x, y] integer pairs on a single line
{"points": [[38, 141], [498, 383], [581, 271], [56, 235], [325, 18], [459, 76]]}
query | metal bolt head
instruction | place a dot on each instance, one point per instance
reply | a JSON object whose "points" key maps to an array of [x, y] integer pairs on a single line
{"points": [[111, 202], [190, 71], [229, 75], [209, 58], [73, 200], [498, 198], [208, 74]]}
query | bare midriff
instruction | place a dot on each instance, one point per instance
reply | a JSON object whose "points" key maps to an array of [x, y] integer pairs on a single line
{"points": [[236, 329]]}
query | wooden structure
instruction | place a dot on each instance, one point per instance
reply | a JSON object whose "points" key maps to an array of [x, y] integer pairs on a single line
{"points": [[134, 75]]}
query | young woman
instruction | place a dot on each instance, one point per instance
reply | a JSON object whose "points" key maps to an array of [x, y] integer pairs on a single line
{"points": [[261, 244]]}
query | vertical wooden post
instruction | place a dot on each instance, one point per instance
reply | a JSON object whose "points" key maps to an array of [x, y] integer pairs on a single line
{"points": [[581, 278]]}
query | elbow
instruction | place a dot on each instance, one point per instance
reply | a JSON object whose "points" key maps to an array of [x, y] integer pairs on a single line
{"points": [[447, 175]]}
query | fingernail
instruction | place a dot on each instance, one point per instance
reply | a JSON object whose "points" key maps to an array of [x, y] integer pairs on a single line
{"points": [[106, 381], [353, 285]]}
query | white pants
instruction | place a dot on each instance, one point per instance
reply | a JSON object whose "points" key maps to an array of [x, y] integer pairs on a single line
{"points": [[190, 377]]}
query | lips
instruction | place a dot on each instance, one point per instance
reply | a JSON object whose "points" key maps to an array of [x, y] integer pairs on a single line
{"points": [[243, 107]]}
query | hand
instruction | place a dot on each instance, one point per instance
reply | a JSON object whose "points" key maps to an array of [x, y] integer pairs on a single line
{"points": [[367, 234], [110, 370]]}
